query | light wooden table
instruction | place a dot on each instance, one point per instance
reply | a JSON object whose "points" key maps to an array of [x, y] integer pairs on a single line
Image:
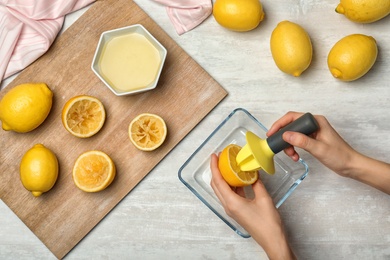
{"points": [[327, 217]]}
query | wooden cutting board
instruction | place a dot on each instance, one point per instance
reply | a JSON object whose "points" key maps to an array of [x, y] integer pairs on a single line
{"points": [[186, 93]]}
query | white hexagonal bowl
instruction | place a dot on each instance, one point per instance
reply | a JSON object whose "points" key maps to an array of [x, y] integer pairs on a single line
{"points": [[107, 36]]}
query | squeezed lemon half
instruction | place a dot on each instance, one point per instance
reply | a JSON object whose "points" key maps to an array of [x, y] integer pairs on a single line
{"points": [[83, 116], [147, 131], [93, 171]]}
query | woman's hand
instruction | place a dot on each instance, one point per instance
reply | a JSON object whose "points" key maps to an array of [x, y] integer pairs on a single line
{"points": [[331, 150], [325, 144], [258, 215]]}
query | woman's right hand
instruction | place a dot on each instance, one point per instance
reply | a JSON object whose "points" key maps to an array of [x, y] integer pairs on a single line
{"points": [[331, 150], [325, 144]]}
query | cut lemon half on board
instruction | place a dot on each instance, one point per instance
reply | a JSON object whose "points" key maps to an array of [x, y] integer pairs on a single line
{"points": [[83, 116], [231, 172], [93, 171], [147, 131]]}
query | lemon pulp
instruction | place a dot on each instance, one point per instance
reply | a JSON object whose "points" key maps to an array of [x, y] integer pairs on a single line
{"points": [[231, 172], [129, 62]]}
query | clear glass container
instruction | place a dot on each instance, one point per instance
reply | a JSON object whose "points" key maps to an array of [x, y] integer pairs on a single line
{"points": [[196, 175]]}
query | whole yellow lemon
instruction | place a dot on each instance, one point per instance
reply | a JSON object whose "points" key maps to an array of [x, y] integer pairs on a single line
{"points": [[25, 107], [352, 57], [291, 48], [39, 170], [238, 15], [364, 11]]}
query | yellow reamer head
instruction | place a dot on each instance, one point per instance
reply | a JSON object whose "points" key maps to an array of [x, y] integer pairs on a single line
{"points": [[256, 155], [259, 154]]}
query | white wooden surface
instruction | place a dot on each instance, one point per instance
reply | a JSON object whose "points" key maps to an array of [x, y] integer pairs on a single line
{"points": [[327, 217]]}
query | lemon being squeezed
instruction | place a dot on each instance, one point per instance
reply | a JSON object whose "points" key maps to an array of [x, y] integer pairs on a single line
{"points": [[231, 172]]}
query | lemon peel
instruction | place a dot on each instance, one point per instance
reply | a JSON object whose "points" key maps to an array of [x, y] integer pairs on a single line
{"points": [[147, 131], [93, 171], [83, 116]]}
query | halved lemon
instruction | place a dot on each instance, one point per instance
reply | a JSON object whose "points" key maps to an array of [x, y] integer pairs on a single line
{"points": [[231, 172], [83, 116], [147, 131], [93, 171]]}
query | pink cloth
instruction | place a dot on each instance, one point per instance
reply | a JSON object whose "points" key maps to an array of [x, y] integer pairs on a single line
{"points": [[28, 28], [187, 14]]}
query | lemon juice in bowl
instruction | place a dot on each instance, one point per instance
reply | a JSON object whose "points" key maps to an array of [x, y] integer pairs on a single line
{"points": [[129, 60]]}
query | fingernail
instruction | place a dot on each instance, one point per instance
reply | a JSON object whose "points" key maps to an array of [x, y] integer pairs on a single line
{"points": [[288, 136]]}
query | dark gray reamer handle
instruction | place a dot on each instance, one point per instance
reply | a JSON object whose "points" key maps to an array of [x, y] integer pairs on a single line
{"points": [[306, 124]]}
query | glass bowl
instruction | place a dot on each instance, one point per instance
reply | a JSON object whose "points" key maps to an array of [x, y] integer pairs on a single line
{"points": [[195, 173]]}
